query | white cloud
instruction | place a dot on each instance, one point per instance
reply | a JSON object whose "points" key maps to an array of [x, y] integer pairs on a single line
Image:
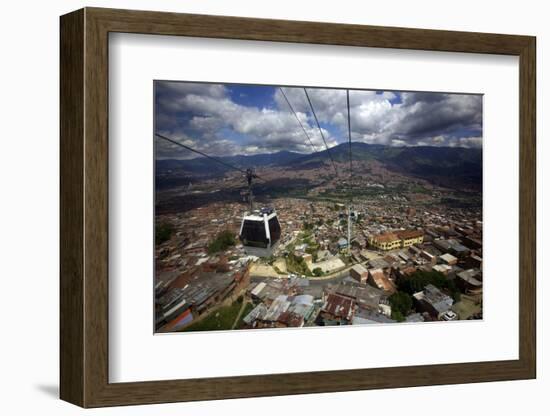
{"points": [[421, 118]]}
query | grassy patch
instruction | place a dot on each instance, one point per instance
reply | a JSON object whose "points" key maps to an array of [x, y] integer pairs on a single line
{"points": [[467, 307], [222, 319], [247, 309], [297, 264]]}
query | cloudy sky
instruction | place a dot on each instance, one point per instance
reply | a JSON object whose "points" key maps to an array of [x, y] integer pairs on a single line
{"points": [[231, 119]]}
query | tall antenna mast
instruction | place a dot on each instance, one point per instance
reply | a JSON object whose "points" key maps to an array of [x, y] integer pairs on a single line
{"points": [[350, 177], [349, 230]]}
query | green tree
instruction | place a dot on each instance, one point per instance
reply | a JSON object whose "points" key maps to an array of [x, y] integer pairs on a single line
{"points": [[163, 232], [312, 249], [420, 279], [222, 242], [317, 271], [397, 316], [401, 302]]}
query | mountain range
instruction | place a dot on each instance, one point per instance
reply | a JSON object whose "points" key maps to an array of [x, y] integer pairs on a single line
{"points": [[455, 167]]}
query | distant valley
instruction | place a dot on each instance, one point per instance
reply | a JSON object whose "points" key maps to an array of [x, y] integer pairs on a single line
{"points": [[451, 167]]}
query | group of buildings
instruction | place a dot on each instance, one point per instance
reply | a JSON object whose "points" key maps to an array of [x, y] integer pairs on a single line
{"points": [[299, 302], [390, 242]]}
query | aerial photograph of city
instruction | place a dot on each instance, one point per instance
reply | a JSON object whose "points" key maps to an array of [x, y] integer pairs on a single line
{"points": [[300, 206]]}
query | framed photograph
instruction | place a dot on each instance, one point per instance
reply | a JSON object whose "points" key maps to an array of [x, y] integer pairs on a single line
{"points": [[256, 207]]}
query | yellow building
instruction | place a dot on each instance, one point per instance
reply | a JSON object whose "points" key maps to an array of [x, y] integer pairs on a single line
{"points": [[386, 241], [400, 239], [410, 237]]}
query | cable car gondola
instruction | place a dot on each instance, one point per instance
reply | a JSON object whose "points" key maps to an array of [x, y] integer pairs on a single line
{"points": [[260, 229], [260, 232]]}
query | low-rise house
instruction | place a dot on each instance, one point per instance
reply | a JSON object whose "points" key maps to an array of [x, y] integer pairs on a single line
{"points": [[300, 310], [401, 273], [378, 279], [432, 233], [459, 250], [448, 259], [433, 301], [369, 317], [359, 273], [257, 313], [255, 292], [348, 289], [277, 307], [368, 297], [393, 260], [442, 245], [432, 259], [379, 263], [316, 291], [415, 251], [342, 243], [404, 257], [472, 243], [473, 262], [384, 308], [470, 281], [337, 308], [449, 232], [289, 319], [271, 291], [442, 268]]}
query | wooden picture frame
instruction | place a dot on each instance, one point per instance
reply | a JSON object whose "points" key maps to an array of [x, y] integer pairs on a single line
{"points": [[84, 207]]}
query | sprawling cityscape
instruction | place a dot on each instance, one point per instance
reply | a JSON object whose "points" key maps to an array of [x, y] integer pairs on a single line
{"points": [[354, 233]]}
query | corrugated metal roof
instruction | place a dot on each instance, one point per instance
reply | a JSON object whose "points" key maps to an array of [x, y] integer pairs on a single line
{"points": [[256, 291]]}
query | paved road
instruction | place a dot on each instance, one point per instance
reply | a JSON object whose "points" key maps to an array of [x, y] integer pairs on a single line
{"points": [[312, 282]]}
